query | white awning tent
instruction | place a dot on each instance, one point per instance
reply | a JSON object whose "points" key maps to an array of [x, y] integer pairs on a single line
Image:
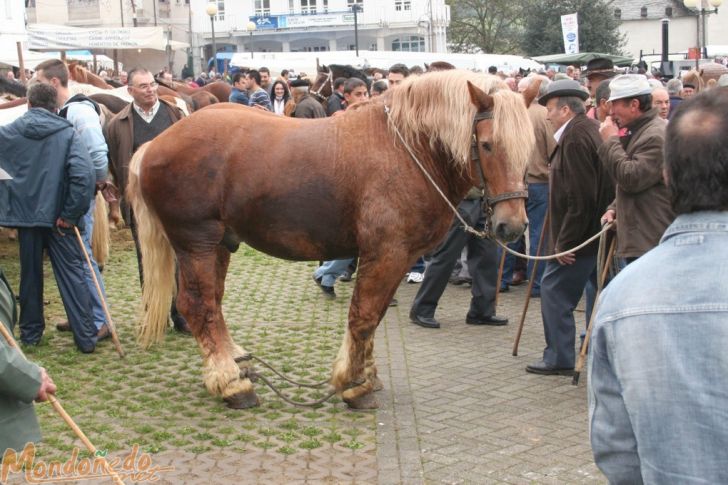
{"points": [[306, 61]]}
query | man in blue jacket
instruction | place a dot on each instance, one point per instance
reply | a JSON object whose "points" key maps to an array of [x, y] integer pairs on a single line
{"points": [[52, 185]]}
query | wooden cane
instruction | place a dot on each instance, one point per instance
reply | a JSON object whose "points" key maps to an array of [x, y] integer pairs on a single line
{"points": [[531, 282], [585, 345], [500, 276], [62, 412], [109, 321]]}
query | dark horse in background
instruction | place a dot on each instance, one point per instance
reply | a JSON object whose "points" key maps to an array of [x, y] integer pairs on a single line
{"points": [[323, 85], [339, 187]]}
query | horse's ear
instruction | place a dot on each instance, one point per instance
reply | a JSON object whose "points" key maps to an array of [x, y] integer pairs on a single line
{"points": [[479, 98], [532, 92]]}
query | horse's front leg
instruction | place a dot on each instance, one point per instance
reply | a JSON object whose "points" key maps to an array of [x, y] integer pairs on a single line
{"points": [[199, 301], [354, 375]]}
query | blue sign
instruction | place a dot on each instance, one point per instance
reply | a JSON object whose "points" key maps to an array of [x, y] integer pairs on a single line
{"points": [[265, 23], [571, 36]]}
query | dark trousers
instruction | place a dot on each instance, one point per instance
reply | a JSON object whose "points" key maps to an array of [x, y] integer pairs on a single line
{"points": [[482, 264], [177, 317], [561, 290], [69, 269]]}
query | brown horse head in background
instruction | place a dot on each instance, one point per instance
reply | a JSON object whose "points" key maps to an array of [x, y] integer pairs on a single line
{"points": [[338, 187], [80, 74]]}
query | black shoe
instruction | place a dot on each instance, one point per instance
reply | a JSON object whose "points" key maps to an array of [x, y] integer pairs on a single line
{"points": [[328, 291], [493, 320], [63, 327], [427, 322], [505, 289], [393, 302], [535, 293], [460, 280], [543, 368], [87, 350]]}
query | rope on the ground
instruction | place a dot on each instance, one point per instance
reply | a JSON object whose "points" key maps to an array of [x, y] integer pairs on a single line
{"points": [[314, 385], [605, 228]]}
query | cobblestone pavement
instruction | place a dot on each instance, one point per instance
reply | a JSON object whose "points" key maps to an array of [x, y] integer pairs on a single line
{"points": [[456, 408]]}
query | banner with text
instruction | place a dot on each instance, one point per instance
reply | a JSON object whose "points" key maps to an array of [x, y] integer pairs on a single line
{"points": [[570, 29], [57, 37]]}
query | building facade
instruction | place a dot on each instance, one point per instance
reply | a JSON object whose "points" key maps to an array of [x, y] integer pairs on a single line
{"points": [[641, 23], [323, 25]]}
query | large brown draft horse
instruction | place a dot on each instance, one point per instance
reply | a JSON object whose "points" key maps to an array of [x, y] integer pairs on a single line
{"points": [[337, 187]]}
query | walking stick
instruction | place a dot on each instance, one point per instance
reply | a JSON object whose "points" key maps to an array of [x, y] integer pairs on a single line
{"points": [[500, 276], [109, 322], [62, 412], [531, 281], [600, 284]]}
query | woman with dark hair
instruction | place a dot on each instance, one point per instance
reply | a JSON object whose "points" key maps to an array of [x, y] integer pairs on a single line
{"points": [[279, 97]]}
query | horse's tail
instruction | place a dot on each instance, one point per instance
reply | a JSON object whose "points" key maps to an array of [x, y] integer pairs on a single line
{"points": [[100, 235], [157, 261]]}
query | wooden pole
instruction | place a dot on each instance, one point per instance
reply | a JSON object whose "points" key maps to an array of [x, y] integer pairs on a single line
{"points": [[585, 345], [62, 412], [531, 281], [500, 276], [109, 321], [21, 62]]}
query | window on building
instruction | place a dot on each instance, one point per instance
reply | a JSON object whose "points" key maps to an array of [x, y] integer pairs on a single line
{"points": [[350, 3], [617, 13], [308, 7], [409, 43], [400, 5], [291, 6], [220, 9], [262, 8], [643, 12], [325, 6]]}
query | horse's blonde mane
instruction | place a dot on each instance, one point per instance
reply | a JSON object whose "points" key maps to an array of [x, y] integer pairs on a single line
{"points": [[436, 107]]}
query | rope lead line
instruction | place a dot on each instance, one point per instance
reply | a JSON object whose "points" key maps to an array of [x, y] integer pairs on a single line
{"points": [[605, 228]]}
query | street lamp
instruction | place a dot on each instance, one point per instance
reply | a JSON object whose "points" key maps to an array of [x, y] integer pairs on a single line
{"points": [[356, 8], [212, 11], [701, 11], [250, 27]]}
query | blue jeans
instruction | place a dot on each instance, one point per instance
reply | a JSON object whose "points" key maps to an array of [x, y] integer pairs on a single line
{"points": [[419, 266], [330, 270], [536, 206], [98, 308]]}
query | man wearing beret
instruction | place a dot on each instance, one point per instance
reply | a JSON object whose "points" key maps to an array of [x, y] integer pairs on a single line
{"points": [[635, 161], [306, 106], [579, 191]]}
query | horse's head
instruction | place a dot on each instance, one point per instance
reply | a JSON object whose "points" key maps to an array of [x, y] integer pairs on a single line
{"points": [[504, 138], [323, 86]]}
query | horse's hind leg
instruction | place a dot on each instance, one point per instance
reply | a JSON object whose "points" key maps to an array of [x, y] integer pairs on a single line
{"points": [[199, 300]]}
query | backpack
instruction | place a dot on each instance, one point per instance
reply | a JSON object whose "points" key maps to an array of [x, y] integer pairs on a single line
{"points": [[63, 113]]}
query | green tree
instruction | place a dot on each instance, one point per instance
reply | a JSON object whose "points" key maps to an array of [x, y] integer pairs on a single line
{"points": [[598, 29], [491, 26]]}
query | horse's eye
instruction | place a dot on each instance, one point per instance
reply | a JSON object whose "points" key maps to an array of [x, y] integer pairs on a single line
{"points": [[486, 146]]}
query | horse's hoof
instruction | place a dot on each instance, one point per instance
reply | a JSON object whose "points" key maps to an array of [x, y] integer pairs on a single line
{"points": [[243, 400], [365, 401], [377, 384]]}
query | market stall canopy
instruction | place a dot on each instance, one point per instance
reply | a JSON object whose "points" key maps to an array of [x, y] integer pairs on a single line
{"points": [[582, 58], [60, 37], [9, 55]]}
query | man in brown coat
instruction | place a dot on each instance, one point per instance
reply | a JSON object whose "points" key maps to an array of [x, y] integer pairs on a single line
{"points": [[579, 191], [635, 161], [141, 121]]}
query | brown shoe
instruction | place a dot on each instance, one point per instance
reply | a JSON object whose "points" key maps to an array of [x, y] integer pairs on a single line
{"points": [[104, 333], [63, 327], [519, 277]]}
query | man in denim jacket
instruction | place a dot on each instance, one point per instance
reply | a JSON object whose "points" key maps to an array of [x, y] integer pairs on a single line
{"points": [[658, 366]]}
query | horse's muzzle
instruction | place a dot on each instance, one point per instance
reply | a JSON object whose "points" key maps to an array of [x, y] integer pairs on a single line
{"points": [[509, 231]]}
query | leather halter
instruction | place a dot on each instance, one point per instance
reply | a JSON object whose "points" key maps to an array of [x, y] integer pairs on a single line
{"points": [[329, 79], [490, 202]]}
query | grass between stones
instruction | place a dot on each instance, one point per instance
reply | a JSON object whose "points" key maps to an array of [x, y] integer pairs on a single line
{"points": [[155, 398]]}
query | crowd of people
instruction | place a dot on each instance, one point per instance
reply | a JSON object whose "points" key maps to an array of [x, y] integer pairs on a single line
{"points": [[649, 157]]}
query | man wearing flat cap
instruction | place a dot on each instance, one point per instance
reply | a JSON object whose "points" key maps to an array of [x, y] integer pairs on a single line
{"points": [[580, 190], [306, 106], [635, 161], [597, 70]]}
